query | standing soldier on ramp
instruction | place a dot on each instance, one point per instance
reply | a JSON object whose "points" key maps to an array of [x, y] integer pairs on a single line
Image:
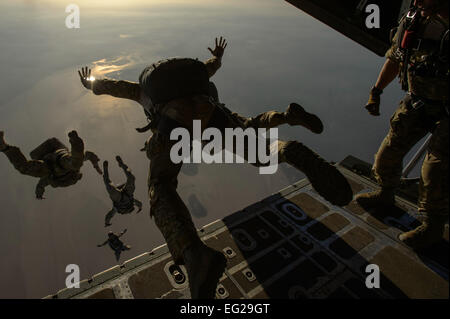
{"points": [[175, 92], [52, 162], [419, 55]]}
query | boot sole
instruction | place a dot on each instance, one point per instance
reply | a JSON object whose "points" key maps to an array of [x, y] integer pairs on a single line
{"points": [[336, 190], [310, 121], [325, 178]]}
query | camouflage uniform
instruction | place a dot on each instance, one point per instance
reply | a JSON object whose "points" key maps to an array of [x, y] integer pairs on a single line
{"points": [[167, 208], [423, 110], [132, 91], [169, 211], [122, 195], [116, 244], [52, 162]]}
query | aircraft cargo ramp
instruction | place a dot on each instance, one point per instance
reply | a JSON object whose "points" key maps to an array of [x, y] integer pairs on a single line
{"points": [[294, 245], [349, 18]]}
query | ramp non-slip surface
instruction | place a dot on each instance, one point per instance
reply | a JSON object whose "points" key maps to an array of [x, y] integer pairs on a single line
{"points": [[294, 245]]}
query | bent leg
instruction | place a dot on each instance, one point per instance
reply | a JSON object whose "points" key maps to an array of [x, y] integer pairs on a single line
{"points": [[204, 265], [232, 119], [112, 190], [405, 131], [325, 178], [109, 216], [35, 168], [266, 120], [129, 186], [433, 193], [117, 254], [167, 208], [294, 115], [433, 187]]}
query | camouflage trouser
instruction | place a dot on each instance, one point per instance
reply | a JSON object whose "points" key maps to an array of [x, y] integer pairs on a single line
{"points": [[265, 120], [170, 213], [35, 168], [115, 192], [409, 124]]}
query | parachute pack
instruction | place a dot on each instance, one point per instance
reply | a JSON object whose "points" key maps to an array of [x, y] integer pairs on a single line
{"points": [[174, 78]]}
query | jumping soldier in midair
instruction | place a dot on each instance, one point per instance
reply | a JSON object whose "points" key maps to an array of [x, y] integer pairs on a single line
{"points": [[52, 162], [122, 196], [173, 93], [115, 243]]}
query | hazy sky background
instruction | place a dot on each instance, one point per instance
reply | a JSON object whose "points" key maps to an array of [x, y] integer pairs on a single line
{"points": [[276, 55]]}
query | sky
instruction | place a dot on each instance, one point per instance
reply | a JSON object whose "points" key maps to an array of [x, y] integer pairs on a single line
{"points": [[276, 55]]}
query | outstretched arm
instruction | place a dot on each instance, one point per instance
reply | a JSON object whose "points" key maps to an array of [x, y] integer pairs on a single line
{"points": [[40, 187], [101, 245], [94, 159], [76, 159], [123, 232], [388, 73], [213, 64], [117, 88], [109, 216]]}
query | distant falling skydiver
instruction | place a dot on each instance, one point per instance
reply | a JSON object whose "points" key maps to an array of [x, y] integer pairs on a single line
{"points": [[52, 162], [122, 195], [115, 243]]}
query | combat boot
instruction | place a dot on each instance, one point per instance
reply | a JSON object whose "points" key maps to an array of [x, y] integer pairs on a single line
{"points": [[428, 233], [325, 178], [204, 266], [296, 115], [3, 145], [384, 197]]}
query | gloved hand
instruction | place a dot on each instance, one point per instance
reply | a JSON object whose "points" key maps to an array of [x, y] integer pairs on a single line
{"points": [[40, 193], [218, 51], [373, 105], [73, 135], [86, 78]]}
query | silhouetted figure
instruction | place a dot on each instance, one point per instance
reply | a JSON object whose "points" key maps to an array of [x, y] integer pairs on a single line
{"points": [[52, 162], [173, 93], [122, 196], [116, 244], [419, 56]]}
